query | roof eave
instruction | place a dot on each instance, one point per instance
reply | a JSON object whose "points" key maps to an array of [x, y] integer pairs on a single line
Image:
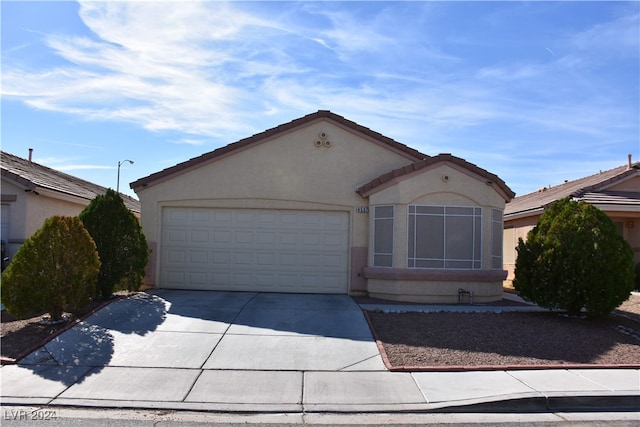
{"points": [[393, 177]]}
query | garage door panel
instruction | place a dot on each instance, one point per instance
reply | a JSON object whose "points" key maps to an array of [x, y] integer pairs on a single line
{"points": [[177, 216], [176, 256], [266, 238], [221, 236], [222, 217], [245, 219], [198, 278], [289, 239], [266, 260], [334, 240], [335, 221], [199, 257], [242, 259], [244, 237], [254, 250], [310, 261], [288, 260], [177, 236]]}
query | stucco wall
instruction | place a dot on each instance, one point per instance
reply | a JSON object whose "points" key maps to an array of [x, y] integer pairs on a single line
{"points": [[429, 188], [286, 172], [442, 185], [29, 211]]}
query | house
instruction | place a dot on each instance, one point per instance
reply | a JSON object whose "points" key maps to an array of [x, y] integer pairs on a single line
{"points": [[32, 193], [324, 205], [615, 191]]}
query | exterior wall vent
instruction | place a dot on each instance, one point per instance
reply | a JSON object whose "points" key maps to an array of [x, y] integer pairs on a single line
{"points": [[323, 141]]}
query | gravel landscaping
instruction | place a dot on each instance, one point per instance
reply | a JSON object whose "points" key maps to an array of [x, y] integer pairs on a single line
{"points": [[445, 340]]}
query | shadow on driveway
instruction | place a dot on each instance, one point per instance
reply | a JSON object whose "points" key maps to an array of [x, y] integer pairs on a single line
{"points": [[181, 329], [249, 313], [86, 348]]}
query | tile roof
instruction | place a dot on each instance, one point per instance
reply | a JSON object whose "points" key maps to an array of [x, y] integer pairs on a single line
{"points": [[592, 189], [243, 143], [33, 175], [368, 188]]}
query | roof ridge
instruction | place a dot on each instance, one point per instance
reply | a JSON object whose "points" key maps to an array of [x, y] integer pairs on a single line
{"points": [[49, 169], [635, 165], [27, 170], [274, 131], [576, 188]]}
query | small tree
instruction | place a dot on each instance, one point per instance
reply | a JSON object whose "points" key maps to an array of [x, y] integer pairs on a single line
{"points": [[573, 259], [54, 269], [121, 243]]}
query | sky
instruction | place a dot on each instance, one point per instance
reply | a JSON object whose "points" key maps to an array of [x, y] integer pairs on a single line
{"points": [[534, 92]]}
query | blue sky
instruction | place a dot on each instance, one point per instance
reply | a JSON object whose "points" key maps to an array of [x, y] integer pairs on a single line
{"points": [[535, 92]]}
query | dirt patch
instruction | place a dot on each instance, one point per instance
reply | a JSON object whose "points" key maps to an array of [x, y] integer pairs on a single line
{"points": [[414, 341]]}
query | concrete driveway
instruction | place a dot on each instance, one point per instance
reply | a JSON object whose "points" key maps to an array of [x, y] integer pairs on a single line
{"points": [[222, 330]]}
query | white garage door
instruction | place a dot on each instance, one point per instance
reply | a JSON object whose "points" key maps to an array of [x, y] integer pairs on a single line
{"points": [[254, 250]]}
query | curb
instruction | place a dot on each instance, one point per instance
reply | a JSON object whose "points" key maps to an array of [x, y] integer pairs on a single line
{"points": [[533, 403]]}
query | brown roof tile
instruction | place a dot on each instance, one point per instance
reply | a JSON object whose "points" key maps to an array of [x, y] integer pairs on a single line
{"points": [[368, 188], [591, 189], [33, 175], [320, 114]]}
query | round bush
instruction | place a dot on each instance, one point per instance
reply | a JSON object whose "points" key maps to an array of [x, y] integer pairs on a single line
{"points": [[55, 269], [574, 259]]}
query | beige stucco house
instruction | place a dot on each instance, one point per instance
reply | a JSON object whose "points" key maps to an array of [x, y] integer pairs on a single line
{"points": [[324, 205], [615, 191], [32, 193]]}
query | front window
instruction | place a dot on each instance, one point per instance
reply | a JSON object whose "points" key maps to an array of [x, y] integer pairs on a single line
{"points": [[497, 231], [445, 237], [383, 236]]}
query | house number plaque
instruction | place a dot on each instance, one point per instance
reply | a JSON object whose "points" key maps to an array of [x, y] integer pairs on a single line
{"points": [[362, 209]]}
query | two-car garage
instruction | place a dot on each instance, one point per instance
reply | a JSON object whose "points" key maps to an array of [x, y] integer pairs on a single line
{"points": [[254, 250]]}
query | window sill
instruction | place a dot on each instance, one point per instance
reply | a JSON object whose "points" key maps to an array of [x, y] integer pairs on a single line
{"points": [[434, 275]]}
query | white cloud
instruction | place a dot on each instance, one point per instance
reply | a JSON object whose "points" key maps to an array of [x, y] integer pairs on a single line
{"points": [[212, 71]]}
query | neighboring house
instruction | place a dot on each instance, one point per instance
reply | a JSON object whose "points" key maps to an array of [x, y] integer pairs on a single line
{"points": [[616, 192], [32, 193], [324, 205]]}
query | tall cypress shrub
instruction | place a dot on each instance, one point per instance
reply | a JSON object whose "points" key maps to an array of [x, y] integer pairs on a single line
{"points": [[120, 241], [574, 259]]}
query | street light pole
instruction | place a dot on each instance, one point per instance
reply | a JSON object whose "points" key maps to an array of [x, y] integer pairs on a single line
{"points": [[119, 163]]}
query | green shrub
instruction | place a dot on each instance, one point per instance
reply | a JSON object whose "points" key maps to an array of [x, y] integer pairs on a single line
{"points": [[574, 259], [120, 241], [55, 269]]}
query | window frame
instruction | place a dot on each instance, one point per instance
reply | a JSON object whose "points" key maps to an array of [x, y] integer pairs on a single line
{"points": [[376, 220], [497, 236], [445, 262]]}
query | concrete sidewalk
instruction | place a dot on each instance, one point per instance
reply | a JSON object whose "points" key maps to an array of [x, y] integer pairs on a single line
{"points": [[247, 352]]}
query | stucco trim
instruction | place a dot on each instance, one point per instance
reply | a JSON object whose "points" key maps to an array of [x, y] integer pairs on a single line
{"points": [[434, 275]]}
